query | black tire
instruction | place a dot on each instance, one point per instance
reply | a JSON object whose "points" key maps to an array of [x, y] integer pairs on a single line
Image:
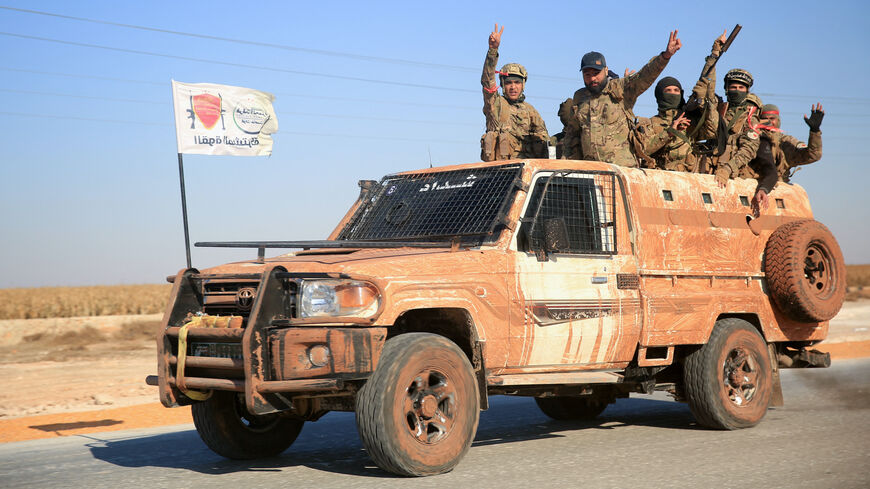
{"points": [[226, 426], [729, 381], [570, 408], [805, 270], [417, 414]]}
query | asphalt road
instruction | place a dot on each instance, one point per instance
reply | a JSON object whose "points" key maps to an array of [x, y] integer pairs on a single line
{"points": [[819, 439]]}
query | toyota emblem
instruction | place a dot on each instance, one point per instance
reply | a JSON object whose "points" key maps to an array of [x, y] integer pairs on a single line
{"points": [[245, 298]]}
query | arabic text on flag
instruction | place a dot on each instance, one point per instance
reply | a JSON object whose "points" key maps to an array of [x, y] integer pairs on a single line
{"points": [[215, 119]]}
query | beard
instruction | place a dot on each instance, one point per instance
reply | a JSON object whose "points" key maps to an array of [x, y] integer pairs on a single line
{"points": [[597, 89]]}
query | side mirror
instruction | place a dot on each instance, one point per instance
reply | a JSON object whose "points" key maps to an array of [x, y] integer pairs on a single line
{"points": [[556, 234], [555, 237]]}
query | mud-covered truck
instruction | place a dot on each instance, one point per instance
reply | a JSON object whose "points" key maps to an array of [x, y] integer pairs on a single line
{"points": [[572, 282]]}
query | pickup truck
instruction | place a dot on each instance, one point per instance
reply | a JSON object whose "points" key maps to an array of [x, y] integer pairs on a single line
{"points": [[572, 282]]}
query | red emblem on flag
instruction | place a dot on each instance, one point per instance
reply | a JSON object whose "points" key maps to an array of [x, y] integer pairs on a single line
{"points": [[207, 108]]}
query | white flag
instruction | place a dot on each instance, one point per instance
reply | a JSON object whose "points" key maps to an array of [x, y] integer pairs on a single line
{"points": [[223, 120]]}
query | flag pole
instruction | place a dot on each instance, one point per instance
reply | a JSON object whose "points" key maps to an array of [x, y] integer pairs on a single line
{"points": [[184, 209]]}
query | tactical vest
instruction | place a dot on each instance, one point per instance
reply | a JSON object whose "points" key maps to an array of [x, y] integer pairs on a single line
{"points": [[508, 141], [614, 120]]}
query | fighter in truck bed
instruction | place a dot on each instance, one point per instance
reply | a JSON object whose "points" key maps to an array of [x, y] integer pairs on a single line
{"points": [[575, 282]]}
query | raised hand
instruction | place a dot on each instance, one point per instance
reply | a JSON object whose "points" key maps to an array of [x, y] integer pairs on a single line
{"points": [[681, 123], [719, 42], [495, 37], [628, 72], [815, 118], [674, 44]]}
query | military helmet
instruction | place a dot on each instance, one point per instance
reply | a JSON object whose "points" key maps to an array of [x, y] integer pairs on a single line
{"points": [[514, 69], [739, 76]]}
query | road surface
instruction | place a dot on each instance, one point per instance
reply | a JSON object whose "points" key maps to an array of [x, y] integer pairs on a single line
{"points": [[819, 439]]}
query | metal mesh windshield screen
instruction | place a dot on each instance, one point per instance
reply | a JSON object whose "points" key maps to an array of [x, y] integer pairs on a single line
{"points": [[469, 202], [581, 202]]}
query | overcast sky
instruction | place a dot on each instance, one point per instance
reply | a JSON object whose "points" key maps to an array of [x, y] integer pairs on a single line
{"points": [[89, 175]]}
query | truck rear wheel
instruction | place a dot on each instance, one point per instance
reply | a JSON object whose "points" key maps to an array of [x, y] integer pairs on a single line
{"points": [[805, 271], [571, 408], [418, 412], [225, 425], [729, 381]]}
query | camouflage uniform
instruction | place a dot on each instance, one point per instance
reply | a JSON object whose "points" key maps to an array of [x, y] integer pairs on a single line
{"points": [[740, 124], [602, 127], [513, 129], [789, 152], [675, 150]]}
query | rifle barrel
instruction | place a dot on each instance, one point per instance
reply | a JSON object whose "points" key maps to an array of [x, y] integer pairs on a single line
{"points": [[731, 38]]}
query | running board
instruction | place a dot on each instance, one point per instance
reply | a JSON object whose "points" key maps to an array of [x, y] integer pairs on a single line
{"points": [[556, 378]]}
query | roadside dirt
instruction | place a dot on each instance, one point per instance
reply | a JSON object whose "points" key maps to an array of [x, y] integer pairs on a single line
{"points": [[75, 376]]}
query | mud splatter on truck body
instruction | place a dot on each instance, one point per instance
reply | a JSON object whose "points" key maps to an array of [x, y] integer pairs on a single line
{"points": [[572, 281]]}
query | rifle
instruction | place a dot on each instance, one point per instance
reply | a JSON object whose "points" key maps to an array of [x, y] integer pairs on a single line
{"points": [[694, 103], [725, 47]]}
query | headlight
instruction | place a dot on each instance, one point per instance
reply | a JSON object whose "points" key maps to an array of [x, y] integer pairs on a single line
{"points": [[338, 298]]}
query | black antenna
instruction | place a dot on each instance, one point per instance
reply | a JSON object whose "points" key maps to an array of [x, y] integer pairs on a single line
{"points": [[429, 149]]}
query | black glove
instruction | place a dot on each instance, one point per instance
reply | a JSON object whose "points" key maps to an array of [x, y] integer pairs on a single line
{"points": [[815, 120]]}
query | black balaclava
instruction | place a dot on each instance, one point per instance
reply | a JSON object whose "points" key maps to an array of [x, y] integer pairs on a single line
{"points": [[736, 97], [669, 100]]}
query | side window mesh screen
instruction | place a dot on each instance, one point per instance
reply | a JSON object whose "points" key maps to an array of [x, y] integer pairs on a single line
{"points": [[584, 201]]}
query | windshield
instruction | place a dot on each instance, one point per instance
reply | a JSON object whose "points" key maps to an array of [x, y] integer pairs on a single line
{"points": [[459, 203]]}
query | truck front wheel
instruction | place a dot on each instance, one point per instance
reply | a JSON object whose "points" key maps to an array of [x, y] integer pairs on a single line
{"points": [[225, 425], [729, 380], [417, 414]]}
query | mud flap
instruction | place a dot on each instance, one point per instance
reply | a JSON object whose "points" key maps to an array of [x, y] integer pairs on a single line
{"points": [[776, 399]]}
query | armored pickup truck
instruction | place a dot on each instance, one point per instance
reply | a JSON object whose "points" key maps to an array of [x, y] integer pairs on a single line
{"points": [[572, 282]]}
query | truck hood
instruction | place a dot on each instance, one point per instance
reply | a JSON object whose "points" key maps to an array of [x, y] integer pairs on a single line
{"points": [[383, 263]]}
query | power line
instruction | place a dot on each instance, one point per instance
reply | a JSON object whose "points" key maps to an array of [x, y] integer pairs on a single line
{"points": [[88, 119], [348, 55], [242, 65], [77, 75], [295, 133], [814, 97], [88, 97], [237, 65], [306, 114], [322, 52], [283, 94], [384, 119]]}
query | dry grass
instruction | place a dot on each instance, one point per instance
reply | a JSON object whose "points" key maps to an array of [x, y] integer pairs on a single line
{"points": [[858, 275], [84, 343], [59, 302], [857, 282], [51, 302]]}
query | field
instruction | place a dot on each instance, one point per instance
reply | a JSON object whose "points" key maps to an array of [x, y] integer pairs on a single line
{"points": [[110, 300], [103, 300], [857, 282]]}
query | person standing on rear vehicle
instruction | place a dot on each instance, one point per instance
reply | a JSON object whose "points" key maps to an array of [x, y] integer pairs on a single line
{"points": [[602, 125], [671, 136], [514, 129], [739, 130], [788, 151]]}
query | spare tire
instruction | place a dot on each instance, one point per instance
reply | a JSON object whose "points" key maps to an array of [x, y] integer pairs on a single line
{"points": [[805, 271]]}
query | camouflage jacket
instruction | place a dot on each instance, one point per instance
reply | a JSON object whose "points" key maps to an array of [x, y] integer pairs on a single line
{"points": [[789, 152], [601, 127], [741, 123], [675, 150], [513, 130], [670, 148]]}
